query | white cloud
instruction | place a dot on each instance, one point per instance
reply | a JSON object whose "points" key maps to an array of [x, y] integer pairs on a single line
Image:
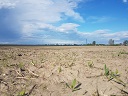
{"points": [[61, 41], [48, 11], [101, 31], [8, 3], [42, 14], [125, 1], [49, 34], [4, 42], [68, 33], [34, 27], [68, 27], [44, 26], [102, 36]]}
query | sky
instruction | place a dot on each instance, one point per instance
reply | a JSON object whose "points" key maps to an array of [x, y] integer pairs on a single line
{"points": [[63, 21]]}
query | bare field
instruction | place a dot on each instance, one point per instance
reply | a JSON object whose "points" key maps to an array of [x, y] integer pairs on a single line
{"points": [[63, 71]]}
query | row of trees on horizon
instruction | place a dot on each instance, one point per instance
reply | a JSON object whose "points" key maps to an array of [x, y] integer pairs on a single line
{"points": [[110, 43]]}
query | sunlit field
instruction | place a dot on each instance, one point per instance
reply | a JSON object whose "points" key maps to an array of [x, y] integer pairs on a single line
{"points": [[63, 70]]}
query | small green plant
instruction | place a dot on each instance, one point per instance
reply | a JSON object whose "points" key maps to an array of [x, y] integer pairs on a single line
{"points": [[106, 70], [59, 69], [21, 66], [33, 62], [122, 52], [110, 73], [74, 86], [22, 93], [90, 64], [113, 75]]}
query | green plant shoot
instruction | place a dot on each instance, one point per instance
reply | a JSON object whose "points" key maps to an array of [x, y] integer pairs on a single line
{"points": [[106, 70], [22, 93], [74, 86]]}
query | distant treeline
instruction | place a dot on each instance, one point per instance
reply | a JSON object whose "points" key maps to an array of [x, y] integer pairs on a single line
{"points": [[110, 43], [59, 45]]}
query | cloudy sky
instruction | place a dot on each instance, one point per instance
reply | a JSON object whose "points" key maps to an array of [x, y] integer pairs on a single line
{"points": [[63, 21]]}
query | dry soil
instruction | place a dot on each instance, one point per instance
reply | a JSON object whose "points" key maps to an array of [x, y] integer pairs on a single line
{"points": [[50, 71]]}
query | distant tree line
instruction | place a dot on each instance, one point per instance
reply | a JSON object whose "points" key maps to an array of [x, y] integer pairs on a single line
{"points": [[125, 43], [110, 43]]}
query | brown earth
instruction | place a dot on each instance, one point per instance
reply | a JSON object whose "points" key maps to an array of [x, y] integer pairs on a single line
{"points": [[50, 71]]}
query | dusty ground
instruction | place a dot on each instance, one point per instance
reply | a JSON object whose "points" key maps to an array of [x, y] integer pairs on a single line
{"points": [[46, 71]]}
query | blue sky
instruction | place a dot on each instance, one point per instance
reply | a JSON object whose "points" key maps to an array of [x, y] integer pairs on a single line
{"points": [[63, 21]]}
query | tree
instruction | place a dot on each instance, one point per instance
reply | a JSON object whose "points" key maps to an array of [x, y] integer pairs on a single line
{"points": [[94, 43], [125, 43], [111, 42]]}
